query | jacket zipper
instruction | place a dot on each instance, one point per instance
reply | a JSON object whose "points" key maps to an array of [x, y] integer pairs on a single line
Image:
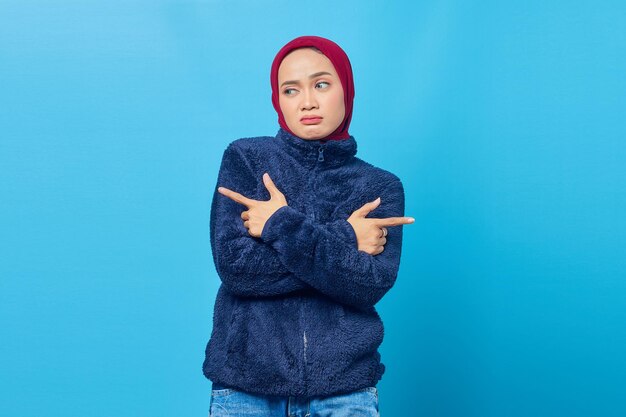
{"points": [[320, 158]]}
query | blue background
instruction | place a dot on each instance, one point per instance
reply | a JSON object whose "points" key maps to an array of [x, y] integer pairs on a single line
{"points": [[505, 121]]}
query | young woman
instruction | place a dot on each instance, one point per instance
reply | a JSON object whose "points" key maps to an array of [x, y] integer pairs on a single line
{"points": [[304, 241]]}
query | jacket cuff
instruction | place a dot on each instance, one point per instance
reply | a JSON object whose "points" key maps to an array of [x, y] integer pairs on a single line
{"points": [[274, 226], [345, 231]]}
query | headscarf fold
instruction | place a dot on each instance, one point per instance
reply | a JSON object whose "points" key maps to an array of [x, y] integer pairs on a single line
{"points": [[340, 61]]}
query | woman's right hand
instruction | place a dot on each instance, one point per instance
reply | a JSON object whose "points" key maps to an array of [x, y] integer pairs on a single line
{"points": [[371, 233]]}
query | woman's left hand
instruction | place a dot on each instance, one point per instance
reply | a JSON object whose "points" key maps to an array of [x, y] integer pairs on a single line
{"points": [[258, 211]]}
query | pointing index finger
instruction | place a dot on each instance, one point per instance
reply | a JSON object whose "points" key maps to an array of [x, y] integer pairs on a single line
{"points": [[394, 221], [235, 196]]}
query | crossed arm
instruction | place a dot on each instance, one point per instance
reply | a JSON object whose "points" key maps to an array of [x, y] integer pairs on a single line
{"points": [[293, 252]]}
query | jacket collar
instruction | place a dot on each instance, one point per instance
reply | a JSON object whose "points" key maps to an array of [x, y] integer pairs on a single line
{"points": [[317, 151]]}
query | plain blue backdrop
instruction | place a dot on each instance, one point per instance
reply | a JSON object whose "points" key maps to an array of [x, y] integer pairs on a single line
{"points": [[504, 120]]}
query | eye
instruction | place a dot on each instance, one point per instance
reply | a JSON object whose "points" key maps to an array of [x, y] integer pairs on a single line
{"points": [[322, 82], [287, 91]]}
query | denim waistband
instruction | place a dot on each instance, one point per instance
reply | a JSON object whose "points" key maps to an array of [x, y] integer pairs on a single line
{"points": [[217, 385]]}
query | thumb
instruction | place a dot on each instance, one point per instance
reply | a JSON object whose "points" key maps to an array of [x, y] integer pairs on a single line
{"points": [[271, 187], [367, 207]]}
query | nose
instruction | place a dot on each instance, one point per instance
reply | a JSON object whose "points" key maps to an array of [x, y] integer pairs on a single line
{"points": [[308, 100]]}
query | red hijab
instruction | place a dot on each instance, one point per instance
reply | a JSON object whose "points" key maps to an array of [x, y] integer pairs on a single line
{"points": [[340, 61]]}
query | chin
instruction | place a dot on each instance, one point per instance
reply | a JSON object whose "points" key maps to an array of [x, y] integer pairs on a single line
{"points": [[313, 137], [312, 134]]}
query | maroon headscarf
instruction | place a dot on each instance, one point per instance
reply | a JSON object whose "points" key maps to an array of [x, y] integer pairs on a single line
{"points": [[340, 61]]}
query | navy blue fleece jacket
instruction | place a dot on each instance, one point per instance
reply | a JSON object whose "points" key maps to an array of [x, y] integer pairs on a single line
{"points": [[295, 314]]}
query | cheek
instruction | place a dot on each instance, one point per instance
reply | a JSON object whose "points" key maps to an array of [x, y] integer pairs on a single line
{"points": [[339, 105], [286, 109]]}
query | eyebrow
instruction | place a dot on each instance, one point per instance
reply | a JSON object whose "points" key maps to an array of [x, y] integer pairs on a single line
{"points": [[317, 74]]}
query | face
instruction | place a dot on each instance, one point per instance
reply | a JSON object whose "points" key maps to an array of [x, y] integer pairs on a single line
{"points": [[310, 94]]}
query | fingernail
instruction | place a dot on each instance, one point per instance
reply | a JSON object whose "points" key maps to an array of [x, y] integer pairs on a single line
{"points": [[411, 219]]}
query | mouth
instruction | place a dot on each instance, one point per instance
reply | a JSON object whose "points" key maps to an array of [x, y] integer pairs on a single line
{"points": [[311, 120]]}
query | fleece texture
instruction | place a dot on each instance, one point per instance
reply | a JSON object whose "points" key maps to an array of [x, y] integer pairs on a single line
{"points": [[294, 314]]}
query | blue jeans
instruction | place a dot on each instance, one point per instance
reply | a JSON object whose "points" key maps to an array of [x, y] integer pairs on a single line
{"points": [[233, 402]]}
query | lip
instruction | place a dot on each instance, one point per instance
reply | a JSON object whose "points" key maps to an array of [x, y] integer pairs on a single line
{"points": [[311, 120]]}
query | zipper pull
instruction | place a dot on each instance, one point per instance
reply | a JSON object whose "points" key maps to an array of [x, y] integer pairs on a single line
{"points": [[321, 153]]}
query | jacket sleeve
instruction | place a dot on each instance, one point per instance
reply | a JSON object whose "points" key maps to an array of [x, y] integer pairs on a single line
{"points": [[327, 256], [246, 265]]}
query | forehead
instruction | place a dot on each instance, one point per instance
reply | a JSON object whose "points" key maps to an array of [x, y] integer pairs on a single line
{"points": [[302, 62]]}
